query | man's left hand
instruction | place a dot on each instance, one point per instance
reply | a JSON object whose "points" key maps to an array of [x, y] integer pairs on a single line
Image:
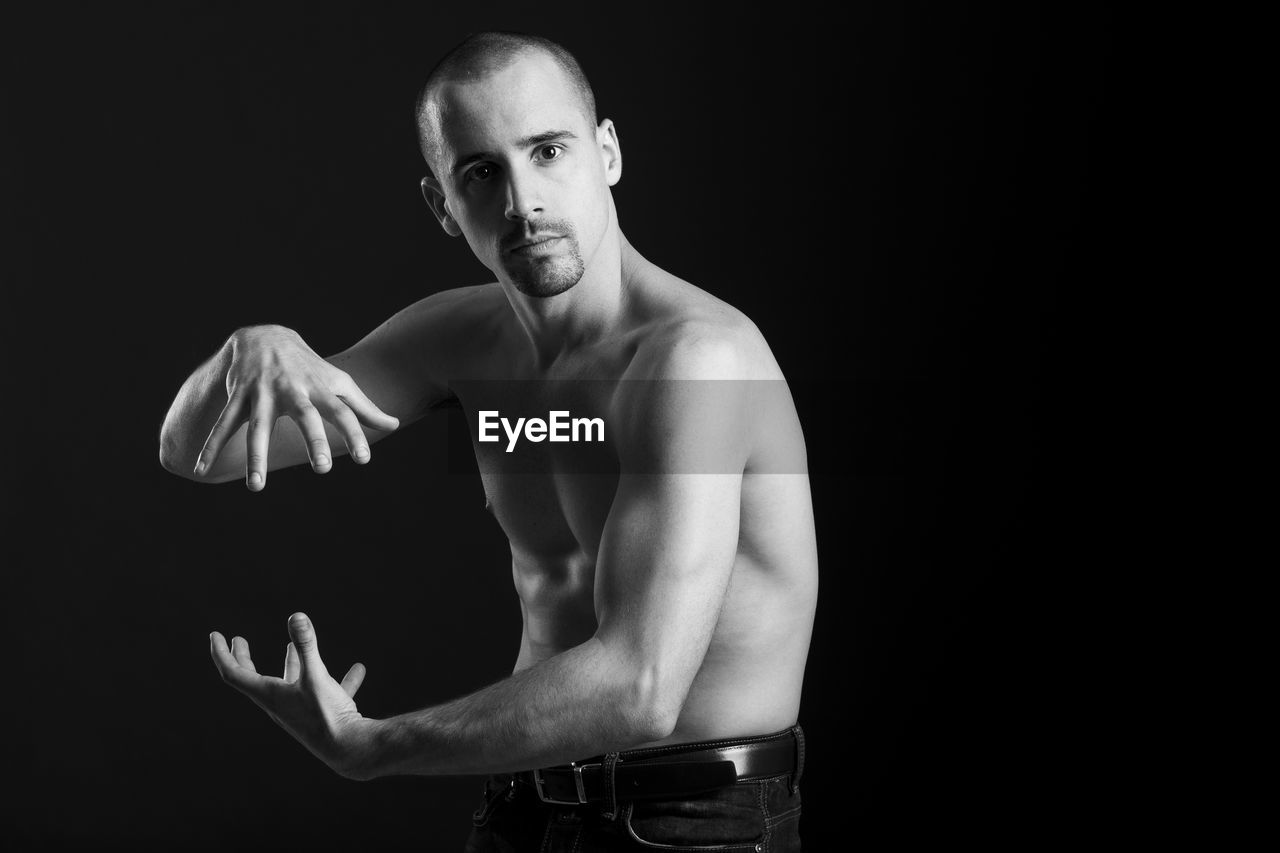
{"points": [[307, 703]]}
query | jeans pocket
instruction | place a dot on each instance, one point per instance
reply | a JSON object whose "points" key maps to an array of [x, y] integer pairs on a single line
{"points": [[731, 818]]}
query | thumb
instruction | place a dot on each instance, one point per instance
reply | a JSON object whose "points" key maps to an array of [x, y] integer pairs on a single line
{"points": [[303, 635]]}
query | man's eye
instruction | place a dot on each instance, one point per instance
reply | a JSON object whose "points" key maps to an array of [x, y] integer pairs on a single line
{"points": [[551, 152], [480, 173]]}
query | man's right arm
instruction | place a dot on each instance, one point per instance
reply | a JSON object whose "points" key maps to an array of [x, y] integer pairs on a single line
{"points": [[224, 417]]}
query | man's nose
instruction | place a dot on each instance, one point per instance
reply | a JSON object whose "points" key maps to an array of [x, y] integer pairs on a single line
{"points": [[523, 200]]}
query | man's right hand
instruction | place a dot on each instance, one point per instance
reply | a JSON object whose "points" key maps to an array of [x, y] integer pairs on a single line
{"points": [[274, 374]]}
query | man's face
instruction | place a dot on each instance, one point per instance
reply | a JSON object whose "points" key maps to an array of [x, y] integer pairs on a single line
{"points": [[524, 174]]}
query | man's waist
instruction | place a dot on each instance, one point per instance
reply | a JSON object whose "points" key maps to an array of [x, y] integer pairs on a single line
{"points": [[672, 770]]}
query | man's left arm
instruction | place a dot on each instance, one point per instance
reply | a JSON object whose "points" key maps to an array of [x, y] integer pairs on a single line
{"points": [[662, 571]]}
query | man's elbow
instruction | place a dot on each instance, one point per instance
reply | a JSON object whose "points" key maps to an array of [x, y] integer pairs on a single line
{"points": [[652, 707], [171, 460]]}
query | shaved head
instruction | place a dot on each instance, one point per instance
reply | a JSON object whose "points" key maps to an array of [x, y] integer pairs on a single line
{"points": [[479, 56]]}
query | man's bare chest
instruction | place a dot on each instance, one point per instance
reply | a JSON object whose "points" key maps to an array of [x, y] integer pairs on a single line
{"points": [[548, 460], [548, 517]]}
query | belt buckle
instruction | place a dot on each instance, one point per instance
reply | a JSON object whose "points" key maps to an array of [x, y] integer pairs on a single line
{"points": [[577, 781]]}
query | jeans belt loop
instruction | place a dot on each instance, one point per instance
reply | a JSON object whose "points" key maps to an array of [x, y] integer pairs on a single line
{"points": [[799, 771], [607, 771]]}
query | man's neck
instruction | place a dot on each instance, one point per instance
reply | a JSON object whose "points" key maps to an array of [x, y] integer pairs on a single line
{"points": [[584, 314]]}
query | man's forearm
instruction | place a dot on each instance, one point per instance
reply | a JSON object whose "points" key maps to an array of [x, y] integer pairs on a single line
{"points": [[569, 707], [194, 411]]}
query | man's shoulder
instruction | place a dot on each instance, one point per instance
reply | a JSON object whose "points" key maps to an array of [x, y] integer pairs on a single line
{"points": [[437, 336], [702, 337], [457, 304], [696, 373]]}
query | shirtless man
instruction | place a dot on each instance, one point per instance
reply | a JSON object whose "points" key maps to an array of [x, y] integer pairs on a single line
{"points": [[666, 604]]}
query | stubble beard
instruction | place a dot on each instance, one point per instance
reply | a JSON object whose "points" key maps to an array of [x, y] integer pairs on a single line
{"points": [[550, 275]]}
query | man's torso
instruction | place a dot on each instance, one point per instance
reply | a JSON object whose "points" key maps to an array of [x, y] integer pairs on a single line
{"points": [[553, 500]]}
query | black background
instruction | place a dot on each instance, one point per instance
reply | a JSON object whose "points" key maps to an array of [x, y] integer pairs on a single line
{"points": [[906, 205]]}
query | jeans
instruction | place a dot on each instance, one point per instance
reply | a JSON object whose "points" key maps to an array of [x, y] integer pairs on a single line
{"points": [[762, 816]]}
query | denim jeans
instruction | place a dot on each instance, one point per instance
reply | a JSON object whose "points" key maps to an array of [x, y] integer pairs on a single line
{"points": [[762, 816]]}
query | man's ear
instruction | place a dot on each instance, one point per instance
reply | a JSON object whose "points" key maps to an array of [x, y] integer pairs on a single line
{"points": [[610, 151], [434, 194]]}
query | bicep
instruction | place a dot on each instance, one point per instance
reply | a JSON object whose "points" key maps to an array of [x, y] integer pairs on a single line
{"points": [[666, 555], [399, 365], [669, 544]]}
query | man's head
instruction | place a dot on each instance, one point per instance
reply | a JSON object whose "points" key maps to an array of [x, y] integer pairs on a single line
{"points": [[508, 128]]}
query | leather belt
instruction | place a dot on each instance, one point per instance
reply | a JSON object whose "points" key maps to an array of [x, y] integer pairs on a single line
{"points": [[667, 771]]}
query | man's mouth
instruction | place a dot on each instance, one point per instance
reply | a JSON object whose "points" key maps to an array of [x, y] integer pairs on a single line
{"points": [[534, 244]]}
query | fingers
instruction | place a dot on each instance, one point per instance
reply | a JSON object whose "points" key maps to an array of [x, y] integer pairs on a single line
{"points": [[353, 679], [303, 635], [244, 680], [228, 422], [369, 414], [345, 420], [240, 651], [312, 427], [257, 441], [291, 665]]}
